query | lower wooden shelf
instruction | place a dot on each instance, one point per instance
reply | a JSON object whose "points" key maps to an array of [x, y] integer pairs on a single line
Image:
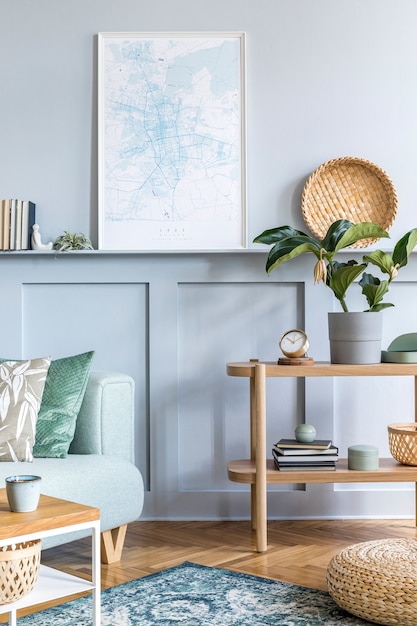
{"points": [[244, 471]]}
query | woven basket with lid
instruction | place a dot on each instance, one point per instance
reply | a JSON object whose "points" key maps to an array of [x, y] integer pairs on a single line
{"points": [[348, 188]]}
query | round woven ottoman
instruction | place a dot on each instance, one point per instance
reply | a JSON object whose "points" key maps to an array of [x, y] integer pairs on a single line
{"points": [[377, 581]]}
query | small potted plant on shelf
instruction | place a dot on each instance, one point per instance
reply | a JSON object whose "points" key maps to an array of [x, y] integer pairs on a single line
{"points": [[72, 241], [289, 243]]}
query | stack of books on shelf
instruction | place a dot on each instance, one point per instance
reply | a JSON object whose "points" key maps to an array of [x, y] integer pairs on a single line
{"points": [[17, 218], [291, 455]]}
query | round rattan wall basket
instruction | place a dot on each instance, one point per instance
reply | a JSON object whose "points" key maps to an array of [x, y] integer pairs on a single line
{"points": [[348, 188]]}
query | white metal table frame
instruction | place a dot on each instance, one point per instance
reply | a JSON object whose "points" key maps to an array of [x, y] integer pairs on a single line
{"points": [[53, 584]]}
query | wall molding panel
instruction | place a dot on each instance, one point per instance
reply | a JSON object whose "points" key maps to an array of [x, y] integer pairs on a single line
{"points": [[172, 321]]}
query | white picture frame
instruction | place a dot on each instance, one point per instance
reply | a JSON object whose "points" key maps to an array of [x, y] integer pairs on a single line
{"points": [[171, 141]]}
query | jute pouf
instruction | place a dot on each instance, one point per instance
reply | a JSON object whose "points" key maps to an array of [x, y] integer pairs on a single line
{"points": [[377, 581]]}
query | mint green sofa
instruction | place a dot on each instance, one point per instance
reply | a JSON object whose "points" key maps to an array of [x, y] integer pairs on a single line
{"points": [[99, 471]]}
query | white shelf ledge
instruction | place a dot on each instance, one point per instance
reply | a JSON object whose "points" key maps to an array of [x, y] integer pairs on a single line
{"points": [[51, 585]]}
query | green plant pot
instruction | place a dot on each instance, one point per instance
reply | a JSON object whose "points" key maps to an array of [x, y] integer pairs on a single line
{"points": [[355, 338]]}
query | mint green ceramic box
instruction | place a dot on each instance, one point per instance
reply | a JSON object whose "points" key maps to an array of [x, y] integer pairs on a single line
{"points": [[363, 457]]}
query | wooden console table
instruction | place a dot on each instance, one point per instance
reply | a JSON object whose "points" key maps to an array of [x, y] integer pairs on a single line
{"points": [[258, 471]]}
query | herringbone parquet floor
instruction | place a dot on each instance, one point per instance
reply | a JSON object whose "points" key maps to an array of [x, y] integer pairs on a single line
{"points": [[298, 551]]}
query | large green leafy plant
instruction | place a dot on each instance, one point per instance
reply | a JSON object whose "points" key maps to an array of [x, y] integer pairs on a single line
{"points": [[289, 243]]}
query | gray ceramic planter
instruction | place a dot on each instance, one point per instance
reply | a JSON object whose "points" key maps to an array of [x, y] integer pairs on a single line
{"points": [[355, 338], [23, 492]]}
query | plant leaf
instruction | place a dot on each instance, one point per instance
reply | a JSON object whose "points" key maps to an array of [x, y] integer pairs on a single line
{"points": [[290, 248], [369, 279], [404, 247], [363, 230], [380, 307], [277, 234], [381, 259], [374, 290], [343, 277], [334, 234]]}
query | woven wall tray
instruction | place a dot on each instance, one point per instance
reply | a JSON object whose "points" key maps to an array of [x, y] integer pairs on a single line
{"points": [[348, 188]]}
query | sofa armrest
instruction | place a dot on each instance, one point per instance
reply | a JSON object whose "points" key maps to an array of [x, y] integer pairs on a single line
{"points": [[105, 424]]}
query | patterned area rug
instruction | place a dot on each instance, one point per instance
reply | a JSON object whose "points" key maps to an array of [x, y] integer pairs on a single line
{"points": [[195, 595]]}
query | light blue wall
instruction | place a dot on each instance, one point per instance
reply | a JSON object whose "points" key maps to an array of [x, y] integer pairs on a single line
{"points": [[325, 79]]}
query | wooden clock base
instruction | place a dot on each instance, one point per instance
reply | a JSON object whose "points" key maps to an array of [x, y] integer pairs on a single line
{"points": [[305, 360]]}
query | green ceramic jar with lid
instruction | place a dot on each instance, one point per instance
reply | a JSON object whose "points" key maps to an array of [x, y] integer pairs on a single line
{"points": [[305, 433], [363, 457]]}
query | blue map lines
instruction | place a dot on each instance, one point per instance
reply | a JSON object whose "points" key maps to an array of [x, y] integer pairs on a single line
{"points": [[172, 137]]}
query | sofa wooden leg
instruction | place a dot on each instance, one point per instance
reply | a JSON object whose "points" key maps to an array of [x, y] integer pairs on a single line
{"points": [[112, 544]]}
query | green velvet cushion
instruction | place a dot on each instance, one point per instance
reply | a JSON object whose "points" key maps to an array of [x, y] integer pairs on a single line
{"points": [[21, 387], [64, 391]]}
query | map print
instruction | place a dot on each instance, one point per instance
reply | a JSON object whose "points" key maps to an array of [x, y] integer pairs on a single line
{"points": [[172, 135]]}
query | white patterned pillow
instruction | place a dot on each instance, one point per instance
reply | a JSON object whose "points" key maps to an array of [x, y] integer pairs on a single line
{"points": [[21, 389]]}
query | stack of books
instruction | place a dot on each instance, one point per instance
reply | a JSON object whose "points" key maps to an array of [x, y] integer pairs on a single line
{"points": [[291, 455], [17, 218]]}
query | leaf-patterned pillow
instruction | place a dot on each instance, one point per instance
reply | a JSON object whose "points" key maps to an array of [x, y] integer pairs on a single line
{"points": [[21, 389]]}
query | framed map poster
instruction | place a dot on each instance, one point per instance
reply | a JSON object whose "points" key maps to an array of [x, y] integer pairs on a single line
{"points": [[172, 154]]}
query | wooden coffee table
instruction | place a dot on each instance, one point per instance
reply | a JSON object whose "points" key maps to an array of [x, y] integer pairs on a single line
{"points": [[52, 517]]}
